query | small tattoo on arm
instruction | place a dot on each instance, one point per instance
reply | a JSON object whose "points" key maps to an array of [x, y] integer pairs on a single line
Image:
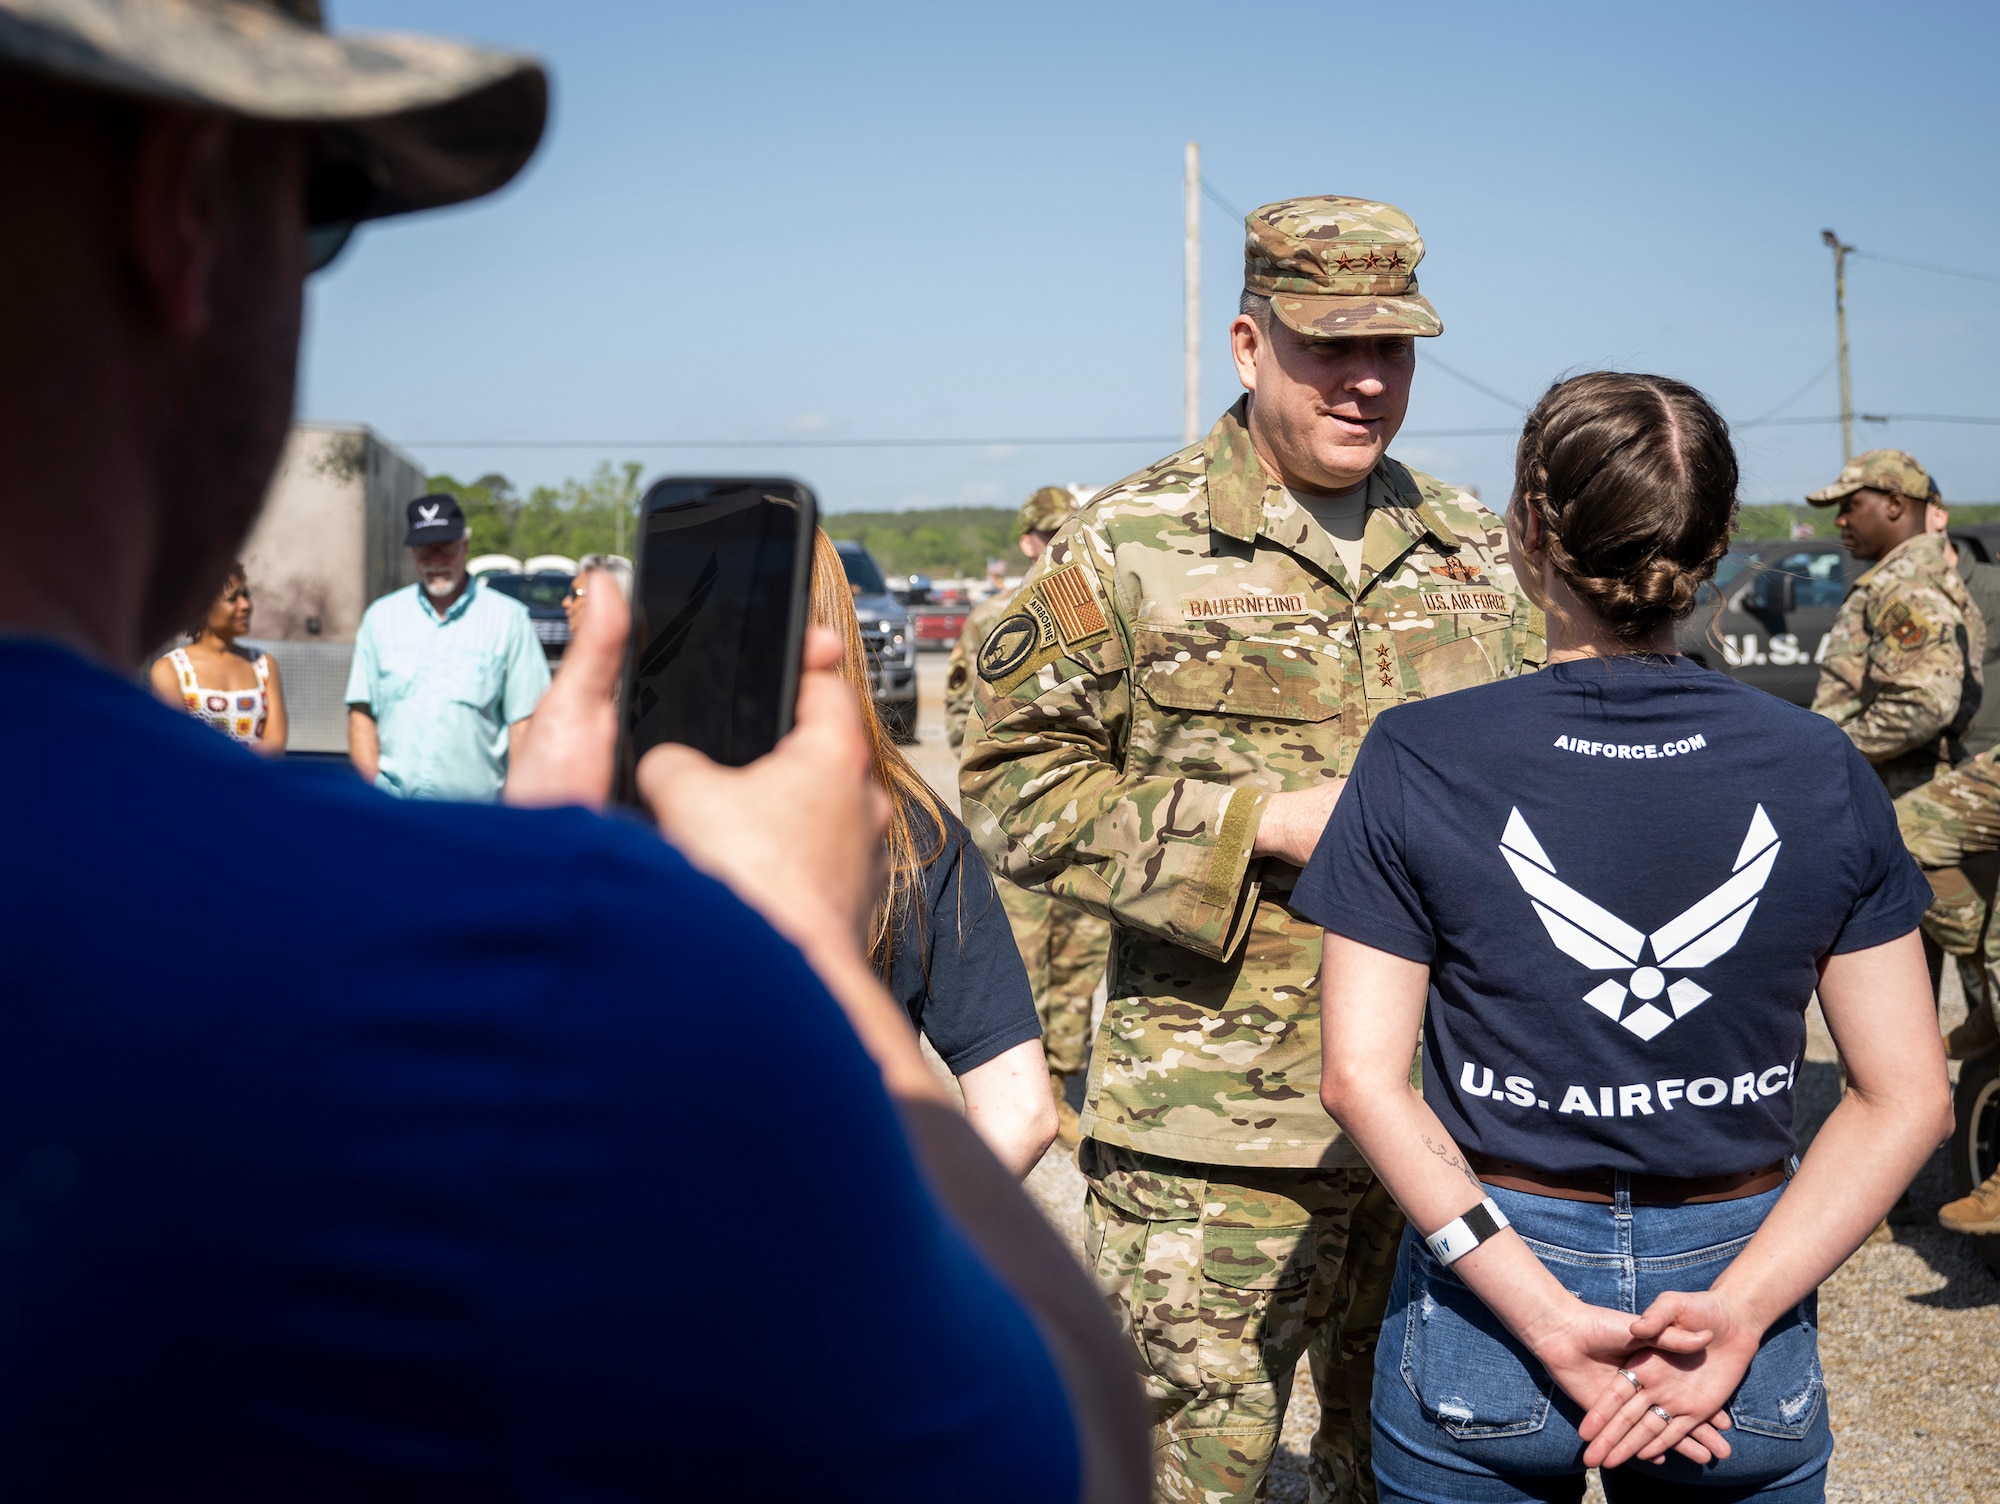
{"points": [[1448, 1152]]}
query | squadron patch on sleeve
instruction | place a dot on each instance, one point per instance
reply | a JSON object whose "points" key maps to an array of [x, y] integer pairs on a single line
{"points": [[1904, 627], [1010, 644]]}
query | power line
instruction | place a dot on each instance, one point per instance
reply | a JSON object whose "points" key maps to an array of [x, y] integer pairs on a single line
{"points": [[1477, 386], [1926, 266], [1085, 440], [1818, 377], [1219, 201], [1018, 443]]}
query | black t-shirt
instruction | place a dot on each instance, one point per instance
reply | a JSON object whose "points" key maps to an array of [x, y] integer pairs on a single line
{"points": [[1622, 875], [956, 970]]}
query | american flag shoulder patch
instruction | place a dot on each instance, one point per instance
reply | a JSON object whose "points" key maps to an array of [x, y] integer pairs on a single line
{"points": [[1077, 615]]}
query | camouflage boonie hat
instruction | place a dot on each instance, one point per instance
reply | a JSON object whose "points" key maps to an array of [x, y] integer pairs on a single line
{"points": [[1046, 511], [1878, 470], [399, 122], [1338, 266]]}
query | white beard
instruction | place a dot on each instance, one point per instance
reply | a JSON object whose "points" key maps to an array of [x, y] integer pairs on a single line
{"points": [[440, 585]]}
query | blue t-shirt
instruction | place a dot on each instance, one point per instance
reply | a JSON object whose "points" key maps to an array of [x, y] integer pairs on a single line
{"points": [[359, 1148], [957, 971], [1623, 875]]}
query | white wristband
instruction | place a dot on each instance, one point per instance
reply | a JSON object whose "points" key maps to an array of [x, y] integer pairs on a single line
{"points": [[1455, 1240]]}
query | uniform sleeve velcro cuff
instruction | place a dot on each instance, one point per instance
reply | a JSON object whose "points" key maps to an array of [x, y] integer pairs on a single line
{"points": [[1231, 855]]}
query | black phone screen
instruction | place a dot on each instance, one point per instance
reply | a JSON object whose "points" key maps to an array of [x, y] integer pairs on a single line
{"points": [[718, 618]]}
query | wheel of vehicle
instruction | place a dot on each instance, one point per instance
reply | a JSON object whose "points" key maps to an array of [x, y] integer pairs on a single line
{"points": [[1975, 1141], [901, 719]]}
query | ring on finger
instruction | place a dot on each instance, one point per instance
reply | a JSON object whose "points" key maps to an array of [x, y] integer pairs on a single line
{"points": [[1660, 1411], [1631, 1378]]}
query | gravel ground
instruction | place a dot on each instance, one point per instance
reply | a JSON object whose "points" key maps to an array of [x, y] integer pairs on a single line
{"points": [[1910, 1326]]}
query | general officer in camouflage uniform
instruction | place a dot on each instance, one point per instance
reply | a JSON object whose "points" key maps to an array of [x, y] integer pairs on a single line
{"points": [[1063, 947], [1902, 665], [1160, 730]]}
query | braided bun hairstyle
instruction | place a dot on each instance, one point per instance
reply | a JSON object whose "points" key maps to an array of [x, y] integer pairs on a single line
{"points": [[1633, 480]]}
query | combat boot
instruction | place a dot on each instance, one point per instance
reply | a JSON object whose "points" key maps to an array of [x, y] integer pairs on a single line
{"points": [[1977, 1213], [1974, 1037], [1069, 1126]]}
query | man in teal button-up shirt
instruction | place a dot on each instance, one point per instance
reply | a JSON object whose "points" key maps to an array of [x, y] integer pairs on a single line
{"points": [[446, 673]]}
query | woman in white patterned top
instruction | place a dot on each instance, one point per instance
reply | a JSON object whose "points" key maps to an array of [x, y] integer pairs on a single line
{"points": [[233, 688]]}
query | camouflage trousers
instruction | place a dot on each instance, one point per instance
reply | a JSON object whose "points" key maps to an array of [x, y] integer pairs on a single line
{"points": [[1224, 1275], [1951, 825], [1065, 951]]}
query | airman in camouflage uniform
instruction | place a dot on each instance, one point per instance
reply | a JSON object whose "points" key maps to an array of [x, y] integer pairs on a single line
{"points": [[1064, 948], [1189, 651], [1902, 665]]}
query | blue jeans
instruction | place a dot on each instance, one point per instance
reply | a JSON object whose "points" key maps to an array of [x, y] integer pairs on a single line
{"points": [[1464, 1412]]}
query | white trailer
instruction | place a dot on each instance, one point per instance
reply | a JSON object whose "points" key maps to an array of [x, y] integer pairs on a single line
{"points": [[328, 542]]}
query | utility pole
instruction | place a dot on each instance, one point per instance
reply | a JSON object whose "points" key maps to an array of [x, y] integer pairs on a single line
{"points": [[1191, 313], [1840, 316]]}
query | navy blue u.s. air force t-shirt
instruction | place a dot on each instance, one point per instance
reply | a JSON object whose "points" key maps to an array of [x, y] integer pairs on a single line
{"points": [[1623, 874], [361, 1148]]}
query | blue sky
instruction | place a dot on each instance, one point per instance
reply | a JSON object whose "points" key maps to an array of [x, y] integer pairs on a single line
{"points": [[870, 221]]}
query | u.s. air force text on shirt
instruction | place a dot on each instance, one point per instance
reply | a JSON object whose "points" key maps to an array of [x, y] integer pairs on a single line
{"points": [[1190, 644], [1621, 947]]}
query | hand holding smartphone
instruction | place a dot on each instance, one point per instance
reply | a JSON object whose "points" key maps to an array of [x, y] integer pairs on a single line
{"points": [[721, 590]]}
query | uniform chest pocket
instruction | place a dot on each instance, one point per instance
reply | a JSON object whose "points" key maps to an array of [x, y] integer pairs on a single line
{"points": [[1485, 652], [1410, 652], [1219, 674]]}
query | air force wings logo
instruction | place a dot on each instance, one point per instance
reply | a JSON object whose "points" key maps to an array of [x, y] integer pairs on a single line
{"points": [[1602, 941], [429, 514]]}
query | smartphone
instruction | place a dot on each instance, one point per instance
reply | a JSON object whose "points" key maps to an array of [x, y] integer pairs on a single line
{"points": [[720, 591]]}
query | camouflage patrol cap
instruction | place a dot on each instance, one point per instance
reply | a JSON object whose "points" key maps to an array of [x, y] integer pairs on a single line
{"points": [[1338, 266], [1046, 511], [1878, 470], [400, 122]]}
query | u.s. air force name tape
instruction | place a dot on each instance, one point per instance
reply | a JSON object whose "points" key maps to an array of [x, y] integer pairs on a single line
{"points": [[1057, 613]]}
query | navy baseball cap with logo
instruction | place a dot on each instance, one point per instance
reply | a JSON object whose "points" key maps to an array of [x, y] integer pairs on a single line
{"points": [[436, 518]]}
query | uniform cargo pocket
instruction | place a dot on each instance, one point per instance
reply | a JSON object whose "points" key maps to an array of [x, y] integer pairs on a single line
{"points": [[1781, 1394], [1464, 1367], [1221, 675], [1253, 1299]]}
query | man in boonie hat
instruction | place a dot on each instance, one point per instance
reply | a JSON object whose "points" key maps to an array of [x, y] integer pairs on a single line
{"points": [[1162, 724], [350, 1146], [1063, 947]]}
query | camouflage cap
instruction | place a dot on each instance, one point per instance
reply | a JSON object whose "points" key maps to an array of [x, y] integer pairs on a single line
{"points": [[400, 122], [1046, 511], [1878, 470], [1338, 266]]}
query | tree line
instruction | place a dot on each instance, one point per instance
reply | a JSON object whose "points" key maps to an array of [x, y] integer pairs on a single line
{"points": [[598, 515]]}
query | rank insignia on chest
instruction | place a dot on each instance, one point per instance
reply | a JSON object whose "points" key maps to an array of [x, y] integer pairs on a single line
{"points": [[1904, 627]]}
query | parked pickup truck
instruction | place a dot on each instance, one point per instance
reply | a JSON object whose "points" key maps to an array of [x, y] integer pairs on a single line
{"points": [[885, 628], [1765, 617]]}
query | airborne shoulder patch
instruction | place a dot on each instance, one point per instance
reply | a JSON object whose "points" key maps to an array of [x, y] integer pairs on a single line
{"points": [[1056, 614]]}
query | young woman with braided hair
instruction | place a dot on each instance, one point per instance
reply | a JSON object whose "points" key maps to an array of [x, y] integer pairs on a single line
{"points": [[1606, 892]]}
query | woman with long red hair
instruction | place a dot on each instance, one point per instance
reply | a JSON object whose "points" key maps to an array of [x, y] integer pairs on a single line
{"points": [[939, 938]]}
